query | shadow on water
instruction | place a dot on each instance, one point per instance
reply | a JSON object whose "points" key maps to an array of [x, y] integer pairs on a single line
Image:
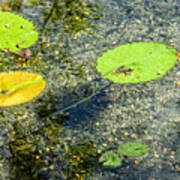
{"points": [[84, 110]]}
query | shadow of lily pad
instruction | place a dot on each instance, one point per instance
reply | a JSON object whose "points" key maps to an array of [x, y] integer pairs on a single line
{"points": [[137, 62], [19, 87], [16, 32]]}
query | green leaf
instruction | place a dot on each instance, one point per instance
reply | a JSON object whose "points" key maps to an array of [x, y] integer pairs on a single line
{"points": [[133, 149], [16, 32], [137, 62], [110, 159]]}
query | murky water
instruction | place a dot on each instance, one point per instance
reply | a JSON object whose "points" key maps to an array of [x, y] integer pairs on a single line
{"points": [[62, 133]]}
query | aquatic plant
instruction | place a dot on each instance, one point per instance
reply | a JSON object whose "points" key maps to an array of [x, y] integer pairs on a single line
{"points": [[82, 157], [74, 16], [25, 163], [131, 149], [137, 62], [32, 145], [17, 87], [109, 158], [16, 33]]}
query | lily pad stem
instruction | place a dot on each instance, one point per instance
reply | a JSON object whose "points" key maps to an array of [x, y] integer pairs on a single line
{"points": [[84, 100]]}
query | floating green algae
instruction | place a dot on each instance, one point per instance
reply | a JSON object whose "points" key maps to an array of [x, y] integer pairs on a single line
{"points": [[137, 62]]}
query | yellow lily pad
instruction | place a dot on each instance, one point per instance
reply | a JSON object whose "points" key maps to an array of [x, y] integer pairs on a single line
{"points": [[18, 87]]}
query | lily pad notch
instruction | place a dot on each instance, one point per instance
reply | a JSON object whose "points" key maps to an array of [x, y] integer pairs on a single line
{"points": [[137, 62], [18, 87]]}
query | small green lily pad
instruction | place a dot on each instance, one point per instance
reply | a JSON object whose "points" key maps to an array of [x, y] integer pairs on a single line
{"points": [[16, 32], [110, 159], [133, 149], [137, 62]]}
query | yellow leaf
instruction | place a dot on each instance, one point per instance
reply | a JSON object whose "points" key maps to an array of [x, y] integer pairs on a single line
{"points": [[18, 87]]}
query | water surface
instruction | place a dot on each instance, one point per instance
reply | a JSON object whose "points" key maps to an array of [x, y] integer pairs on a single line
{"points": [[61, 134]]}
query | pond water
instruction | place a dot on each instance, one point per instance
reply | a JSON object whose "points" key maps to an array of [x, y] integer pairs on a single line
{"points": [[80, 115]]}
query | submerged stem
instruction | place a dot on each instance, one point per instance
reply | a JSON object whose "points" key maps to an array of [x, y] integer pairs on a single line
{"points": [[84, 100]]}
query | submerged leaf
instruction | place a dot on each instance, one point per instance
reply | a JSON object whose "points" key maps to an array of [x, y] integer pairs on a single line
{"points": [[15, 32], [110, 159], [133, 149], [137, 62], [18, 87]]}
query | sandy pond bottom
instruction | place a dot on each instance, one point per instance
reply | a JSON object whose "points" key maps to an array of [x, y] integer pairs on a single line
{"points": [[146, 112]]}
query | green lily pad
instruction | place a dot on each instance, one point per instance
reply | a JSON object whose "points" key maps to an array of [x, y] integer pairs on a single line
{"points": [[110, 159], [16, 32], [133, 149], [137, 62]]}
